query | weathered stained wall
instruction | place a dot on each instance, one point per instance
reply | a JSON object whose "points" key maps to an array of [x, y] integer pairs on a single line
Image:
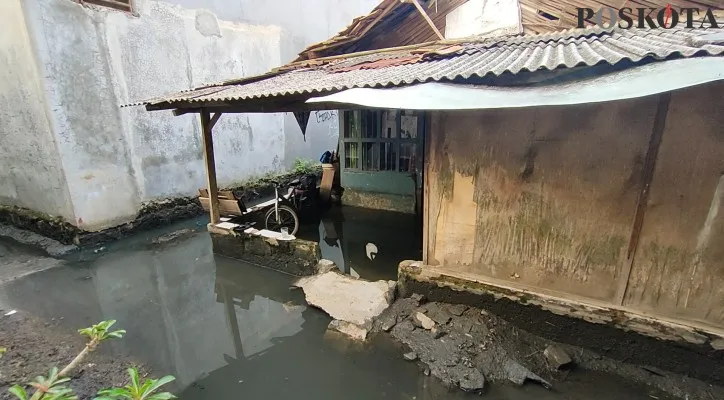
{"points": [[302, 23], [545, 198], [94, 59], [94, 163], [679, 266], [31, 174]]}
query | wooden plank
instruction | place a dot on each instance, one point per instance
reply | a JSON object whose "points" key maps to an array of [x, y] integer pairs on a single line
{"points": [[214, 120], [226, 207], [426, 182], [325, 187], [652, 154], [210, 167]]}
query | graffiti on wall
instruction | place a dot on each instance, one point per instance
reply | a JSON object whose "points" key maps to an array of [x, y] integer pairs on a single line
{"points": [[324, 116]]}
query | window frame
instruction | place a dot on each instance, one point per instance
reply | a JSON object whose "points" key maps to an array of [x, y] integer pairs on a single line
{"points": [[395, 141]]}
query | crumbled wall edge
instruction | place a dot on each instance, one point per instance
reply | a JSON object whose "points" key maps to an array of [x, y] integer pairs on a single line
{"points": [[626, 320], [294, 257]]}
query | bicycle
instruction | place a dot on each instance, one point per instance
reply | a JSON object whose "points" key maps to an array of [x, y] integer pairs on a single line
{"points": [[283, 214]]}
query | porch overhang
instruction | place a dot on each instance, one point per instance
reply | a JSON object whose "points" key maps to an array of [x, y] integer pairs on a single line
{"points": [[640, 81]]}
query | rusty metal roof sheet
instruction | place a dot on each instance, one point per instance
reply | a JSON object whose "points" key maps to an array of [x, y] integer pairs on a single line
{"points": [[566, 49], [537, 16]]}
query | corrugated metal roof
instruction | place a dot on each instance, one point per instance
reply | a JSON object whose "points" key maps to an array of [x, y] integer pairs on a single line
{"points": [[566, 49]]}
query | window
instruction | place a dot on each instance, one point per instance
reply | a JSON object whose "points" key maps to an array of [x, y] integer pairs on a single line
{"points": [[123, 5], [386, 140]]}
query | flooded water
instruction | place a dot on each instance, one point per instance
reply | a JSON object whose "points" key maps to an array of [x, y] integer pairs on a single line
{"points": [[228, 330]]}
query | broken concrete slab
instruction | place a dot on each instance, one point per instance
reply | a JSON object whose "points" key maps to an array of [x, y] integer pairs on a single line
{"points": [[346, 298], [457, 309], [418, 298], [436, 332], [349, 329], [518, 374], [556, 357], [473, 381], [388, 322], [424, 321], [438, 313], [324, 266]]}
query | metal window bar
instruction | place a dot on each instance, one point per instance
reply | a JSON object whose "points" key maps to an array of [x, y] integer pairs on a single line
{"points": [[359, 141]]}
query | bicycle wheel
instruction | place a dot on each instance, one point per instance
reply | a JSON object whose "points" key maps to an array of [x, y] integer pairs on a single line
{"points": [[287, 218]]}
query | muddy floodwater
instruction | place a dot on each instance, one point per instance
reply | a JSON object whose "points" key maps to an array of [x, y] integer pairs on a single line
{"points": [[229, 330]]}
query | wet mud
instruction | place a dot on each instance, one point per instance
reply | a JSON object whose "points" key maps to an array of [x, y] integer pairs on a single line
{"points": [[34, 346], [685, 360], [467, 342]]}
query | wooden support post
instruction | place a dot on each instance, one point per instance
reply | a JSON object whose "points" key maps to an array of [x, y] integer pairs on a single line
{"points": [[214, 120], [206, 128], [652, 155]]}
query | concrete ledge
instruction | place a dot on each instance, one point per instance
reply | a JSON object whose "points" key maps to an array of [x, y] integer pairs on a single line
{"points": [[379, 201], [296, 257], [618, 333]]}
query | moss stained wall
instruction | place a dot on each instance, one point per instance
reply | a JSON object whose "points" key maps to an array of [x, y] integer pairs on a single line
{"points": [[546, 197], [679, 265]]}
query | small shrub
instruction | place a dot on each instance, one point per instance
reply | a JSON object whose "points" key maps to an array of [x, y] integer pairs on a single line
{"points": [[304, 166], [53, 386]]}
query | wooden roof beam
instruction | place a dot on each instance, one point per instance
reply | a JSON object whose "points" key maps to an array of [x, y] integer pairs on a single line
{"points": [[427, 17]]}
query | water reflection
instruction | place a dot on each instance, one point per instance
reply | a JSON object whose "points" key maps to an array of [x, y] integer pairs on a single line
{"points": [[366, 243], [228, 330]]}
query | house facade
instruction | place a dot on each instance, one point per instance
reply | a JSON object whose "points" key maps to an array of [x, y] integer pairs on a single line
{"points": [[578, 167]]}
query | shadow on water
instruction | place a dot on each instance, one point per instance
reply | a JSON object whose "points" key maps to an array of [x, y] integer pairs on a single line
{"points": [[366, 243], [226, 329]]}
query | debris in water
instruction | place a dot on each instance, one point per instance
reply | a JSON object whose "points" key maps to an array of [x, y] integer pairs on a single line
{"points": [[411, 356], [388, 322], [518, 374], [349, 329], [324, 266], [472, 382], [183, 233], [346, 298], [556, 356], [425, 321], [353, 303], [9, 313]]}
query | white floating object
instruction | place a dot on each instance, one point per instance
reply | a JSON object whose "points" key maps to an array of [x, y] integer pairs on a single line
{"points": [[371, 250], [9, 313]]}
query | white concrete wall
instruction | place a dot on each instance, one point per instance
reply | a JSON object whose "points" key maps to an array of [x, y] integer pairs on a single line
{"points": [[302, 23], [31, 173], [94, 163], [95, 59]]}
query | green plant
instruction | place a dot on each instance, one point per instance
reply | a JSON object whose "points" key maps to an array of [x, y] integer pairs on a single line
{"points": [[53, 386], [136, 391], [47, 388], [304, 166]]}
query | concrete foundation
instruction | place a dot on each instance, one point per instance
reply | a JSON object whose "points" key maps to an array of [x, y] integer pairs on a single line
{"points": [[295, 257], [616, 333]]}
